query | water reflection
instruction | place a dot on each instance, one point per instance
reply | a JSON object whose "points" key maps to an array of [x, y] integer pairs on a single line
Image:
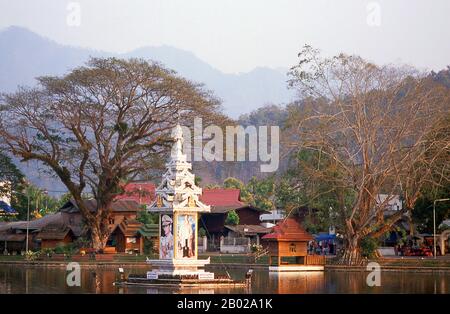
{"points": [[14, 279], [304, 282]]}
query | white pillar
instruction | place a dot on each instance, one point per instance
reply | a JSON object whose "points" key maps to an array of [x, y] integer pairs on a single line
{"points": [[205, 243]]}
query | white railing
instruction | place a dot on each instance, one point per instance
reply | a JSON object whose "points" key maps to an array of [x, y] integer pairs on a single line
{"points": [[235, 241], [272, 216], [235, 245]]}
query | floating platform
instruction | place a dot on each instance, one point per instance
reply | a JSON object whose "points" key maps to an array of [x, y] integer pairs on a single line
{"points": [[144, 282], [184, 281], [295, 268]]}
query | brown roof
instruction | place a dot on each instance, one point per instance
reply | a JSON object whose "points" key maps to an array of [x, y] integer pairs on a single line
{"points": [[226, 209], [12, 237], [36, 224], [130, 228], [249, 229], [288, 230], [50, 226], [54, 232], [117, 206]]}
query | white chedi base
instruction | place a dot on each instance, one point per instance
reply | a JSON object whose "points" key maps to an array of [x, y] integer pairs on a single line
{"points": [[179, 267], [178, 263], [198, 274]]}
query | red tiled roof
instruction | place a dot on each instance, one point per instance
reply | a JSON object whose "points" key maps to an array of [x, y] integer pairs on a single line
{"points": [[222, 197], [288, 230], [142, 193]]}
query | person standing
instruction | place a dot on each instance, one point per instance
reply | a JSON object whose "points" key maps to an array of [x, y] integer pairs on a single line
{"points": [[166, 241]]}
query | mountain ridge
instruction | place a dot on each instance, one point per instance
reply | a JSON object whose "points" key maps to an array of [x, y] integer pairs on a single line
{"points": [[25, 55]]}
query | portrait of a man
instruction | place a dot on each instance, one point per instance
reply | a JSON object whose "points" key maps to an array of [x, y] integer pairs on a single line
{"points": [[166, 240], [186, 236]]}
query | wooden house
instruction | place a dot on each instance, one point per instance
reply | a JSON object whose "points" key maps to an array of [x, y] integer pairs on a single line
{"points": [[54, 235], [126, 237], [288, 248], [222, 201]]}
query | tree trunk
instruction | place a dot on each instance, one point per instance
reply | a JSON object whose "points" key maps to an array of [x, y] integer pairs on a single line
{"points": [[352, 252], [99, 236]]}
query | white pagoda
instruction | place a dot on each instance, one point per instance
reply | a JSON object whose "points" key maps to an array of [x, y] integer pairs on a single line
{"points": [[178, 205]]}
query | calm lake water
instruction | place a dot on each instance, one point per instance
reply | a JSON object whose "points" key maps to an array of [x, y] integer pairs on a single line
{"points": [[20, 279]]}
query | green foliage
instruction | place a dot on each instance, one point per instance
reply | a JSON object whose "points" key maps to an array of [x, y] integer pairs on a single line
{"points": [[81, 242], [258, 193], [233, 183], [202, 232], [311, 226], [197, 180], [263, 193], [12, 181], [32, 256], [149, 247], [147, 218], [368, 247], [232, 218], [212, 186], [323, 196], [256, 248], [267, 115], [41, 203], [47, 252], [68, 249], [423, 209]]}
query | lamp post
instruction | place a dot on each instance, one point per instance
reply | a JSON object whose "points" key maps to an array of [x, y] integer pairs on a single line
{"points": [[434, 222], [28, 221]]}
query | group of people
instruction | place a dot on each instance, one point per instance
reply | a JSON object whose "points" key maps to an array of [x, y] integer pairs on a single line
{"points": [[321, 247]]}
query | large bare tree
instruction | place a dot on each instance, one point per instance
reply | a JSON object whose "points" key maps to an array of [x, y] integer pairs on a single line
{"points": [[374, 127], [100, 125]]}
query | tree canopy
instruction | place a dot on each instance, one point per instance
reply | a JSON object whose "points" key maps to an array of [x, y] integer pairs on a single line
{"points": [[101, 124]]}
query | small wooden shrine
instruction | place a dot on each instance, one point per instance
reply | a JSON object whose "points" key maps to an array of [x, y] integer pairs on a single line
{"points": [[288, 248]]}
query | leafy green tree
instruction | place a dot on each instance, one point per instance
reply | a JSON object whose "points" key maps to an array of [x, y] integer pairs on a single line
{"points": [[299, 189], [233, 183], [423, 209], [147, 218], [41, 203], [262, 192], [258, 193], [232, 218], [101, 124], [12, 183]]}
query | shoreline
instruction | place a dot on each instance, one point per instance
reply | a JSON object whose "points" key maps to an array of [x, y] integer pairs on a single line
{"points": [[140, 264]]}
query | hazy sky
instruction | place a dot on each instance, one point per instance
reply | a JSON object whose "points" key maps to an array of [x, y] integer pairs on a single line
{"points": [[239, 35]]}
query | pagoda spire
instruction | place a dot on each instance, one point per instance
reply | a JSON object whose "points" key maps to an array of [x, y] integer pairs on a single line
{"points": [[178, 190]]}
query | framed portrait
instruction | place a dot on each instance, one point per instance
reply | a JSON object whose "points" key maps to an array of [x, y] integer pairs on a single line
{"points": [[166, 240], [186, 233]]}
